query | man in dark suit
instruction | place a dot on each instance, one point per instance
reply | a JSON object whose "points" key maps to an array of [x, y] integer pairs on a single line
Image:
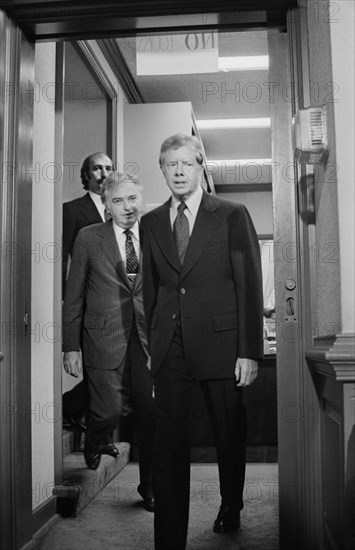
{"points": [[103, 315], [79, 213], [202, 291], [87, 209]]}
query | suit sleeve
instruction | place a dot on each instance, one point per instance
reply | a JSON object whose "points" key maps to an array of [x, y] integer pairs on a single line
{"points": [[74, 300], [70, 231], [150, 275], [246, 264]]}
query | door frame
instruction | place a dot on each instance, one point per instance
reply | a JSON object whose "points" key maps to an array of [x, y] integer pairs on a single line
{"points": [[290, 440], [16, 116]]}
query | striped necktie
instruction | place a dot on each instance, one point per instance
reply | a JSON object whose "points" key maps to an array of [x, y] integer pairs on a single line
{"points": [[131, 258], [181, 231]]}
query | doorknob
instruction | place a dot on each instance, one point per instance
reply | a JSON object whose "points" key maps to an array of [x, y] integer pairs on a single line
{"points": [[290, 284], [290, 306]]}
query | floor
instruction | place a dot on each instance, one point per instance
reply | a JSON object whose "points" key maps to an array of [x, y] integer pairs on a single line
{"points": [[115, 519]]}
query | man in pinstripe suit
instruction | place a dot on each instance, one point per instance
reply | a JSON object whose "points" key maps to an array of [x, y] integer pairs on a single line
{"points": [[103, 316]]}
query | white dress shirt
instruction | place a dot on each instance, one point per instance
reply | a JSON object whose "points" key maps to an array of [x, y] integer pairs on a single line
{"points": [[193, 204], [98, 203], [121, 239]]}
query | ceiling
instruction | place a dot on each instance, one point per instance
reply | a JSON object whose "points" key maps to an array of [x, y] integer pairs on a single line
{"points": [[46, 20], [220, 95]]}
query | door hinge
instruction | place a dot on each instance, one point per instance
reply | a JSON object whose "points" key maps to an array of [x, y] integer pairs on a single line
{"points": [[25, 320]]}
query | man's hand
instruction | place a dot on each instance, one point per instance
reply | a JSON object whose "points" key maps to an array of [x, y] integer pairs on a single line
{"points": [[72, 363], [246, 371]]}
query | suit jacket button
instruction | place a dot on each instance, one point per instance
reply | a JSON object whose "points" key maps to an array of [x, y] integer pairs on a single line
{"points": [[182, 291], [174, 316]]}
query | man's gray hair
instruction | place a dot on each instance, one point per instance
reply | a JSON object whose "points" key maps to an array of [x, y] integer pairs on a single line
{"points": [[181, 140], [114, 180]]}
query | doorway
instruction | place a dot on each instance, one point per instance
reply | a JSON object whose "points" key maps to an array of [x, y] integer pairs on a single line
{"points": [[287, 152], [238, 158]]}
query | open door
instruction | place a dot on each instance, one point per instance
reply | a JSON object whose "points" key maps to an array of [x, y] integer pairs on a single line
{"points": [[287, 291], [16, 119], [15, 434]]}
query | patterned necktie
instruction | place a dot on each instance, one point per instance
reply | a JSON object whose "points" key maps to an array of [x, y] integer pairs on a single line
{"points": [[131, 258], [181, 231]]}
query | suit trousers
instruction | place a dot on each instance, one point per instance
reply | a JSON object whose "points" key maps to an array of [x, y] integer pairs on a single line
{"points": [[112, 393], [171, 465], [74, 402], [138, 384]]}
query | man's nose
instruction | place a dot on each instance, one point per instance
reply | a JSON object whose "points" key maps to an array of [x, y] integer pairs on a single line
{"points": [[179, 168]]}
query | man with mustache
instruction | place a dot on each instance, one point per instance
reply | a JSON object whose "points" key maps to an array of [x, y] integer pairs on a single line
{"points": [[79, 213]]}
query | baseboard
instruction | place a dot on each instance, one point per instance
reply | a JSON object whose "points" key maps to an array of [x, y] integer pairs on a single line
{"points": [[43, 519], [43, 514]]}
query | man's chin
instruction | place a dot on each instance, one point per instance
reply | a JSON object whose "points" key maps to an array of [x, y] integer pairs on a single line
{"points": [[128, 223], [182, 194], [179, 189]]}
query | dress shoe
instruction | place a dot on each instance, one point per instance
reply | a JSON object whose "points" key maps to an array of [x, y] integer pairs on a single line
{"points": [[145, 491], [109, 449], [92, 457], [228, 519], [148, 503]]}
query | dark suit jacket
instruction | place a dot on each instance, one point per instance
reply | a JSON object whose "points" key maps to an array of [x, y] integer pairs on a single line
{"points": [[99, 305], [217, 294], [76, 214]]}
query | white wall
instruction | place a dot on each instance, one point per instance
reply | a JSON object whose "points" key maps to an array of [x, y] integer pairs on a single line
{"points": [[259, 204], [85, 121], [146, 126], [45, 332], [84, 133]]}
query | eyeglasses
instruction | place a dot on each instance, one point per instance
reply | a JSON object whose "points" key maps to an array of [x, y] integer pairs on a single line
{"points": [[186, 165]]}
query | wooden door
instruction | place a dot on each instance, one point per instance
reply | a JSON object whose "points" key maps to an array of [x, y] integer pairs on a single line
{"points": [[16, 114], [287, 292]]}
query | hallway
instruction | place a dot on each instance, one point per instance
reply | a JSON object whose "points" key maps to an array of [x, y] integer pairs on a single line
{"points": [[116, 520]]}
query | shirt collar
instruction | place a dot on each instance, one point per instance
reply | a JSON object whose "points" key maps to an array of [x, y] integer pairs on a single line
{"points": [[192, 202], [120, 230], [97, 199]]}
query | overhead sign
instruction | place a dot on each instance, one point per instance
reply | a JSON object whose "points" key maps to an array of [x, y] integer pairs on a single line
{"points": [[177, 54]]}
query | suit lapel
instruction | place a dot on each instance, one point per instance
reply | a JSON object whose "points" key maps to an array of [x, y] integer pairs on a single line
{"points": [[164, 235], [206, 223], [112, 251], [88, 209]]}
